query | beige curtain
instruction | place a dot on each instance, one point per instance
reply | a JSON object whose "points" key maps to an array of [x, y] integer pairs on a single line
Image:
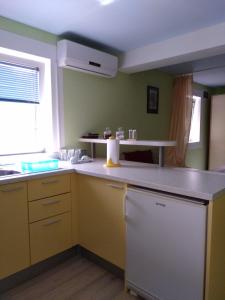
{"points": [[180, 120]]}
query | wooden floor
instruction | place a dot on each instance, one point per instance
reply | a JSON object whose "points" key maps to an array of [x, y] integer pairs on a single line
{"points": [[77, 278]]}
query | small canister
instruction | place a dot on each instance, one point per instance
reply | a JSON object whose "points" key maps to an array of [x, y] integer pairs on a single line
{"points": [[120, 133], [107, 133]]}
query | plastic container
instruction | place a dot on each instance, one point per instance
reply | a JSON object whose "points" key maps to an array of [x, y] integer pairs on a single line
{"points": [[39, 166]]}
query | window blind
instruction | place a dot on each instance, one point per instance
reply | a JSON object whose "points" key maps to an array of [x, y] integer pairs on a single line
{"points": [[19, 83]]}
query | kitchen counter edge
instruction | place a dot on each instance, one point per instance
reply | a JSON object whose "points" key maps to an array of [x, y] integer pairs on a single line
{"points": [[125, 175]]}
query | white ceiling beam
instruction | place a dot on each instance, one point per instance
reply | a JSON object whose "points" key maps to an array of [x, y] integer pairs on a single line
{"points": [[206, 42]]}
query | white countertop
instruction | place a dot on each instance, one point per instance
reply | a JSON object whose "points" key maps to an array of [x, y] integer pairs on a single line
{"points": [[187, 182]]}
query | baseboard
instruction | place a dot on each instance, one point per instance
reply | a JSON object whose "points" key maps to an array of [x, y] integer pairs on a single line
{"points": [[102, 262]]}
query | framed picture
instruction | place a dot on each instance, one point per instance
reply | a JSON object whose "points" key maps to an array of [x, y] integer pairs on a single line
{"points": [[152, 99]]}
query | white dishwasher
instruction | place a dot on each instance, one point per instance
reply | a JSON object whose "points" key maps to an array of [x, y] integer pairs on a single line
{"points": [[166, 241]]}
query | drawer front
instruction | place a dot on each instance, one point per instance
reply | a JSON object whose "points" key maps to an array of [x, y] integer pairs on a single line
{"points": [[49, 237], [49, 207], [48, 186]]}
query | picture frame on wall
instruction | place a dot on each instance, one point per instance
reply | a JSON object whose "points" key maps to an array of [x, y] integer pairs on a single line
{"points": [[152, 99]]}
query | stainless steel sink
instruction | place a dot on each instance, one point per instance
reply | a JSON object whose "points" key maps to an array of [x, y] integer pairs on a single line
{"points": [[8, 172]]}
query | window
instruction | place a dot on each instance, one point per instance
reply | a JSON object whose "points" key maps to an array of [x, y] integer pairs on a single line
{"points": [[25, 105], [195, 129]]}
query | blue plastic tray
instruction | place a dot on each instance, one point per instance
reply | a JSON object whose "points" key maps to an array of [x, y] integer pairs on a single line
{"points": [[39, 166]]}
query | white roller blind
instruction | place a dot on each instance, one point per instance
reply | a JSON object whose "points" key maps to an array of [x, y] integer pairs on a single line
{"points": [[19, 83]]}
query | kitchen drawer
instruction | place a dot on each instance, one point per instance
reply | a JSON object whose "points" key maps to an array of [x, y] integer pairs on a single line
{"points": [[49, 207], [48, 186], [49, 237]]}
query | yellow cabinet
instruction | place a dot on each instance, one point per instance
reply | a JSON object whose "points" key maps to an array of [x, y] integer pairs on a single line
{"points": [[14, 235], [50, 236], [101, 218], [215, 250]]}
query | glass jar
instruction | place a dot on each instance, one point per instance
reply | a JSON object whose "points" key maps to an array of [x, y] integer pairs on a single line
{"points": [[107, 133], [120, 133]]}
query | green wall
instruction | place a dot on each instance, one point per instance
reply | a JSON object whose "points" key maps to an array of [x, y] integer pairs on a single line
{"points": [[91, 103], [217, 90], [28, 31]]}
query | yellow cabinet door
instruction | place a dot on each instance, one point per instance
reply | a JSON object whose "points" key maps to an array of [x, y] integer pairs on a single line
{"points": [[14, 235], [101, 218], [50, 236]]}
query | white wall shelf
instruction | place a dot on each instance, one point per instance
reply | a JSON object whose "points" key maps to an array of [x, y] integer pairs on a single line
{"points": [[150, 143]]}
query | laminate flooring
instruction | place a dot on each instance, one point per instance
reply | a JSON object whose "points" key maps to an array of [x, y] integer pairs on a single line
{"points": [[75, 279]]}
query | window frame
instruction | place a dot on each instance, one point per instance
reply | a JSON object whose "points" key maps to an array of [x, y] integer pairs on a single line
{"points": [[34, 48], [42, 70], [197, 145]]}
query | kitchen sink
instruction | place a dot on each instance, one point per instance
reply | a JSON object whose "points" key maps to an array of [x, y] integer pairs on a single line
{"points": [[8, 172]]}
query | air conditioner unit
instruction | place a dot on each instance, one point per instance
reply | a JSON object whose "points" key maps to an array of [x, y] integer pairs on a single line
{"points": [[85, 59]]}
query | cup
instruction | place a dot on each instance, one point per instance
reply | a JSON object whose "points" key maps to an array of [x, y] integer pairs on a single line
{"points": [[75, 158], [130, 134], [77, 153], [70, 153], [134, 134], [63, 154]]}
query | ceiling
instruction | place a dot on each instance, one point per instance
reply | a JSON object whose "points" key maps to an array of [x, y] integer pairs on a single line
{"points": [[209, 71], [120, 25], [123, 26]]}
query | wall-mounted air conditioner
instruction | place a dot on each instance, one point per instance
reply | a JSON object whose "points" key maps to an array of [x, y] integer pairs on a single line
{"points": [[85, 59]]}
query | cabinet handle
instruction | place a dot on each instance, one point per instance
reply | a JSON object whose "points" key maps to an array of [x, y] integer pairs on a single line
{"points": [[51, 202], [51, 222], [9, 190], [115, 186], [51, 181]]}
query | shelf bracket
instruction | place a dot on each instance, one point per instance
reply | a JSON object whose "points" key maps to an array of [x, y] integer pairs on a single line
{"points": [[93, 150], [161, 156]]}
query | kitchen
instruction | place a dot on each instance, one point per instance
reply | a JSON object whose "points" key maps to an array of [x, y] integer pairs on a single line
{"points": [[92, 103]]}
